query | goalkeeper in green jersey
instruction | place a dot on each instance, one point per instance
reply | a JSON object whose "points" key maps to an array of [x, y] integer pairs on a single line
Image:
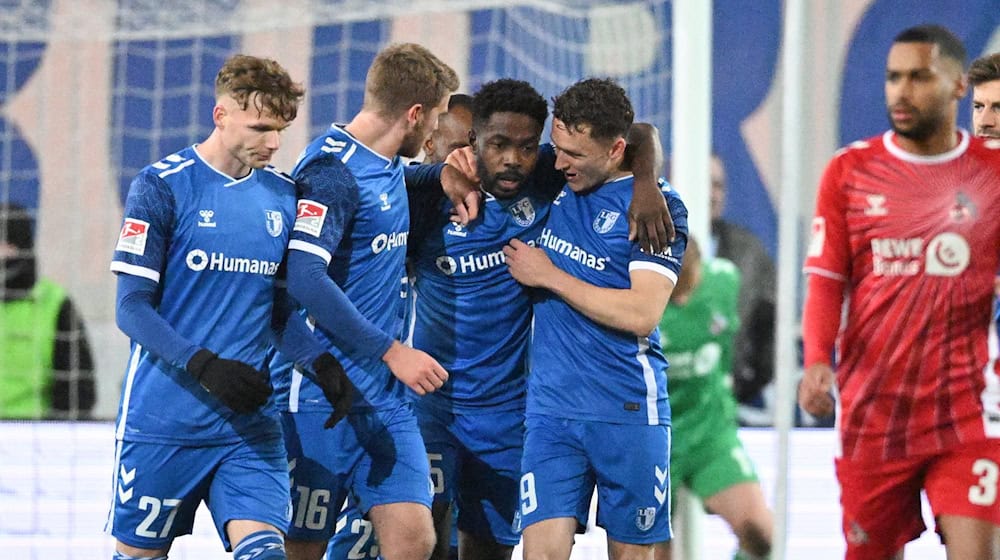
{"points": [[707, 457]]}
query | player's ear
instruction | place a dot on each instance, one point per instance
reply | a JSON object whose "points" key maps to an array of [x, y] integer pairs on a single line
{"points": [[961, 85], [429, 145], [219, 114], [414, 116], [618, 148]]}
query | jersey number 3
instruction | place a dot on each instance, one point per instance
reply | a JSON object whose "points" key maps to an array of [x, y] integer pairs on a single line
{"points": [[985, 492]]}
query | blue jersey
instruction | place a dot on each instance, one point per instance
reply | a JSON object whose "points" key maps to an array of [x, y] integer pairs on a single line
{"points": [[214, 245], [353, 212], [468, 311], [581, 369]]}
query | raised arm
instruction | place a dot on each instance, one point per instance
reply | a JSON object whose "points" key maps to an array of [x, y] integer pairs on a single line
{"points": [[649, 218]]}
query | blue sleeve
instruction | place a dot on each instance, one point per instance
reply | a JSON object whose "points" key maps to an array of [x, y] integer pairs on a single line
{"points": [[328, 199], [297, 342], [311, 285], [292, 336], [147, 228], [673, 256], [422, 177], [550, 180], [424, 194], [136, 315]]}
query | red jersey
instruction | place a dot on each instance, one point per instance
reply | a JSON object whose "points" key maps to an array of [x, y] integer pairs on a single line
{"points": [[916, 239]]}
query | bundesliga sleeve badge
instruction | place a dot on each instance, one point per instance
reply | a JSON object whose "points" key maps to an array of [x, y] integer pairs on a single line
{"points": [[132, 238], [309, 217]]}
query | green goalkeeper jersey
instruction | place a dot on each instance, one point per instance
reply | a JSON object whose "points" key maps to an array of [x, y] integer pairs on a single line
{"points": [[697, 338]]}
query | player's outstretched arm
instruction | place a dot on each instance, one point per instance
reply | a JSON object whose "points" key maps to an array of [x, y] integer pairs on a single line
{"points": [[415, 368], [649, 217], [637, 309], [326, 302], [460, 181]]}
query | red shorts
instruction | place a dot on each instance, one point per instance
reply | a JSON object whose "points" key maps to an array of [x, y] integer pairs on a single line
{"points": [[881, 501]]}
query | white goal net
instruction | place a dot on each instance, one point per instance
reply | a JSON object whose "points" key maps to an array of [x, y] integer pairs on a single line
{"points": [[93, 90]]}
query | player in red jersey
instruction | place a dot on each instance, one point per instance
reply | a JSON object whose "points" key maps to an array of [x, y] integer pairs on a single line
{"points": [[906, 232]]}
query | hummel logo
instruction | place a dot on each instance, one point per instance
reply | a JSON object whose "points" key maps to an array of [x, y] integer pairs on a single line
{"points": [[125, 494], [660, 491], [661, 474], [876, 205], [206, 218]]}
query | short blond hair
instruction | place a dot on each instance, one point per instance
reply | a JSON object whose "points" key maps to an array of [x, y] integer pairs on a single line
{"points": [[242, 76], [404, 75]]}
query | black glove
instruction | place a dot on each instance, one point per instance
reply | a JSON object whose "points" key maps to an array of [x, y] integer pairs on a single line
{"points": [[238, 385], [337, 388]]}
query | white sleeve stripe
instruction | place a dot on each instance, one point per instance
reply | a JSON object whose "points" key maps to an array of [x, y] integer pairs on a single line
{"points": [[177, 169], [654, 267], [311, 249], [134, 270], [824, 273]]}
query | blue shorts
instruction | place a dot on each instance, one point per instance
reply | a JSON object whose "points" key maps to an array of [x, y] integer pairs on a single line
{"points": [[158, 487], [476, 463], [355, 536], [377, 456], [565, 459]]}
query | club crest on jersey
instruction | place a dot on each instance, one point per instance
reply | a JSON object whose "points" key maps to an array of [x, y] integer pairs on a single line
{"points": [[384, 198], [644, 518], [309, 217], [523, 212], [132, 238], [275, 224], [605, 220], [963, 209]]}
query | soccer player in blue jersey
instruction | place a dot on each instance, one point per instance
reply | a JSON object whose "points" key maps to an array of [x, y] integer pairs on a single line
{"points": [[472, 316], [597, 373], [345, 261], [354, 537], [473, 426], [204, 233]]}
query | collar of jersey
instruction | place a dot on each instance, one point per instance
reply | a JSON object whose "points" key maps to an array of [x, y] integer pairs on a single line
{"points": [[372, 157], [231, 182], [963, 144], [622, 178]]}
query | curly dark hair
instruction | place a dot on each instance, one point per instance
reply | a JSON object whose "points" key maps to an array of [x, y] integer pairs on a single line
{"points": [[599, 103], [508, 96]]}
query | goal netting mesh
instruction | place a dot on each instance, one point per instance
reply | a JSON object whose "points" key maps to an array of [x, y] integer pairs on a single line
{"points": [[93, 90]]}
